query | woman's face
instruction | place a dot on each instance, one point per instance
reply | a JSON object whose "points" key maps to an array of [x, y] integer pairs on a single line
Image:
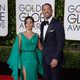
{"points": [[29, 24]]}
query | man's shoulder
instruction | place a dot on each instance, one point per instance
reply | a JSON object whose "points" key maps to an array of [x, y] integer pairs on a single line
{"points": [[55, 20], [42, 22]]}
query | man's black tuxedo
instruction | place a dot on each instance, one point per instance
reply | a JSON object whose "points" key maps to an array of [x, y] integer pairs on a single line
{"points": [[52, 45], [54, 41]]}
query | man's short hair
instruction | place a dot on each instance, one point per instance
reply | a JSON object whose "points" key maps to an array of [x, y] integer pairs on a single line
{"points": [[46, 4]]}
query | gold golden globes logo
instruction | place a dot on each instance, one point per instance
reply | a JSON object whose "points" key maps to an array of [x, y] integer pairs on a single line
{"points": [[2, 16], [30, 10], [74, 18]]}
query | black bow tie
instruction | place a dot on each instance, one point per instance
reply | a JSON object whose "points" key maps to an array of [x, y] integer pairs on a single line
{"points": [[46, 22]]}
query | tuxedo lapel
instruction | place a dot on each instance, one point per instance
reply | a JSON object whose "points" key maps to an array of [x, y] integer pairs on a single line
{"points": [[50, 25], [49, 28], [42, 27]]}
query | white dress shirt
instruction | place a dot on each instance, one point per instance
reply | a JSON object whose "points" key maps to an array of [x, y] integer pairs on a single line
{"points": [[46, 27]]}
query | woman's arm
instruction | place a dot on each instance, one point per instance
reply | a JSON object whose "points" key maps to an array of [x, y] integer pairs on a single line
{"points": [[40, 45]]}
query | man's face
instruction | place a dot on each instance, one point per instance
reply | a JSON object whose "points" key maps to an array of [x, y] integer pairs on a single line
{"points": [[47, 11]]}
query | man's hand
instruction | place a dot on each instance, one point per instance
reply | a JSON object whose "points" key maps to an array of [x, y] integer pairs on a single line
{"points": [[54, 63]]}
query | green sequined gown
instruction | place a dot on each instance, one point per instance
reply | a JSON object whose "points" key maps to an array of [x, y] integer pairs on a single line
{"points": [[28, 59]]}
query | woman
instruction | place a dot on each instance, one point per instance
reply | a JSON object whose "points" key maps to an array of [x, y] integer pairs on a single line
{"points": [[27, 59]]}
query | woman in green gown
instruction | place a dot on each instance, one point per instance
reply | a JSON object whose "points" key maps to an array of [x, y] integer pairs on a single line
{"points": [[27, 59]]}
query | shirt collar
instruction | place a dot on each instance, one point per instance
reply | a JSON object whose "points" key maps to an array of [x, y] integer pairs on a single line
{"points": [[50, 19]]}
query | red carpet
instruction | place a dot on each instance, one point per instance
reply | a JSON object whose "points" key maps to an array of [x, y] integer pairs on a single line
{"points": [[7, 77], [5, 72]]}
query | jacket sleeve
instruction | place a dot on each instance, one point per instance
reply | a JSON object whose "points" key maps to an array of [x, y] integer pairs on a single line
{"points": [[60, 37]]}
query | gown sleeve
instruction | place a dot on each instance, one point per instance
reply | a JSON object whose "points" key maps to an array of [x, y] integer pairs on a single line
{"points": [[39, 59], [40, 67], [14, 59]]}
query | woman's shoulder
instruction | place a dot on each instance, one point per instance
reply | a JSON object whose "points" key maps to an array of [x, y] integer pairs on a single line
{"points": [[36, 34], [19, 34]]}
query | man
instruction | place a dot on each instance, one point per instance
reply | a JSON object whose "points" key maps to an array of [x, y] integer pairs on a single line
{"points": [[52, 38]]}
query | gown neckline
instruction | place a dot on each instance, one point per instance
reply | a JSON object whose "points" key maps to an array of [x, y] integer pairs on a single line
{"points": [[27, 37]]}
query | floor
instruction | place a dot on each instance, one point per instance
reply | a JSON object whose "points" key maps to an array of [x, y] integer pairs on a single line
{"points": [[67, 74]]}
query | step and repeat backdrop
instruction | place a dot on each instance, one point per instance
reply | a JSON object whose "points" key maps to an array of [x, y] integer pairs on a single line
{"points": [[72, 19], [3, 17], [30, 8], [34, 8]]}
